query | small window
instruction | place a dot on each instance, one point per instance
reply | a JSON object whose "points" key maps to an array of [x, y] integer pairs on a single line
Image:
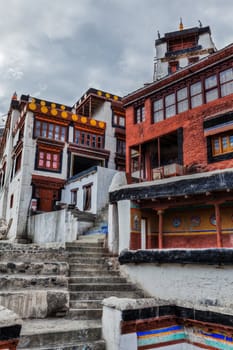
{"points": [[211, 88], [158, 110], [139, 114], [50, 130], [48, 160], [196, 94], [11, 201], [120, 147], [222, 144], [226, 82], [182, 100], [74, 195], [87, 197], [170, 106]]}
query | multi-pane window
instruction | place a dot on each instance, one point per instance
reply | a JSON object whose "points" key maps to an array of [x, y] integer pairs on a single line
{"points": [[203, 91], [139, 114], [222, 144], [118, 120], [87, 139], [120, 148], [170, 105], [158, 110], [196, 94], [182, 100], [49, 160], [226, 82], [211, 88], [50, 130], [74, 196]]}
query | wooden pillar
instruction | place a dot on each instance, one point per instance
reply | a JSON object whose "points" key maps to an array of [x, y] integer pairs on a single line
{"points": [[160, 236], [218, 225], [140, 162]]}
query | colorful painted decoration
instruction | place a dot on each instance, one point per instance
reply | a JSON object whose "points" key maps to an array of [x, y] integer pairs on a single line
{"points": [[213, 220], [176, 222], [44, 109], [74, 117], [195, 220], [32, 106], [101, 125], [42, 103], [99, 93], [53, 112], [84, 120], [93, 122], [64, 114], [63, 107]]}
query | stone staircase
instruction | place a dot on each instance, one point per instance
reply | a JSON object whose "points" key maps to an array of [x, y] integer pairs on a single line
{"points": [[59, 292], [93, 278]]}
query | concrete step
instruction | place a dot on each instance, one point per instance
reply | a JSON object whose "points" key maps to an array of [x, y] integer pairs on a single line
{"points": [[85, 314], [78, 272], [51, 333], [98, 287], [100, 295], [103, 279], [85, 304], [16, 282]]}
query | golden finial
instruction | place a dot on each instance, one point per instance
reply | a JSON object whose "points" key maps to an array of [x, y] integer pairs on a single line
{"points": [[181, 27]]}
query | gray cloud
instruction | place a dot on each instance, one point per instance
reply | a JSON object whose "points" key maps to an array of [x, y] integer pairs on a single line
{"points": [[57, 49]]}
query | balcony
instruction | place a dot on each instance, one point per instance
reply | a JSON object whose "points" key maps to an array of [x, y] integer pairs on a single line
{"points": [[169, 170]]}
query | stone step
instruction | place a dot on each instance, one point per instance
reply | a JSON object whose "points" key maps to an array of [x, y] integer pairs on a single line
{"points": [[44, 334], [78, 272], [84, 248], [76, 266], [84, 244], [94, 345], [37, 268], [85, 314], [103, 279], [16, 282], [85, 304], [99, 295], [87, 260], [98, 287]]}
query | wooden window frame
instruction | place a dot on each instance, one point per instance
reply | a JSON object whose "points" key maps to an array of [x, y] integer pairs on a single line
{"points": [[45, 160], [116, 120], [51, 131], [139, 114], [88, 139], [220, 141], [87, 196]]}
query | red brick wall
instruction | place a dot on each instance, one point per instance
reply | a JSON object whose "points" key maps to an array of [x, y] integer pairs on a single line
{"points": [[194, 142]]}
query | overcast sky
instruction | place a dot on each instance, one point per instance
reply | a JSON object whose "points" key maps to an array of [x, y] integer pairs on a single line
{"points": [[57, 49]]}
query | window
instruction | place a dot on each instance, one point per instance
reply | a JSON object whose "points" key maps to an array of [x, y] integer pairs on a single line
{"points": [[120, 147], [11, 201], [211, 88], [49, 160], [158, 110], [119, 120], [139, 114], [196, 94], [87, 197], [18, 162], [182, 100], [226, 82], [170, 105], [222, 144], [50, 130], [84, 138], [74, 195]]}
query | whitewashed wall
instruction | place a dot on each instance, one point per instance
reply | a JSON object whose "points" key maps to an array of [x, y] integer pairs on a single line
{"points": [[198, 286]]}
